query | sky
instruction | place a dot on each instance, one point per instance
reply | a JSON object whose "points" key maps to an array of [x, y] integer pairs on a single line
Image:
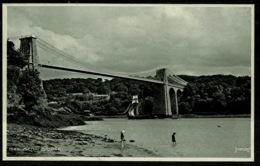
{"points": [[138, 40]]}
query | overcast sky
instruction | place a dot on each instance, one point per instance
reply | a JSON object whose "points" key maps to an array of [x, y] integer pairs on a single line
{"points": [[137, 40]]}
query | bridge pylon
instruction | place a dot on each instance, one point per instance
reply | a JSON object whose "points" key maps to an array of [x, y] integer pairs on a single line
{"points": [[28, 48], [166, 99]]}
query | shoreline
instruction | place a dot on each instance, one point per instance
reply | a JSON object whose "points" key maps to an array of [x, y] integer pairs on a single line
{"points": [[214, 116], [186, 116], [32, 141]]}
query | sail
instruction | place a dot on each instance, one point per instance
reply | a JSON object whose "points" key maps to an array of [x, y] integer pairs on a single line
{"points": [[131, 112], [135, 99], [137, 110], [133, 108]]}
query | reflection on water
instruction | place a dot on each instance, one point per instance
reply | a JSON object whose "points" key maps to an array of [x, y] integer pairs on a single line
{"points": [[195, 137]]}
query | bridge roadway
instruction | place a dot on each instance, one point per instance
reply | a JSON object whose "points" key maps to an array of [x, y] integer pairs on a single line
{"points": [[106, 74]]}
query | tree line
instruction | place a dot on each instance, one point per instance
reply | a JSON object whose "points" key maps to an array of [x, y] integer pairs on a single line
{"points": [[120, 91], [216, 94]]}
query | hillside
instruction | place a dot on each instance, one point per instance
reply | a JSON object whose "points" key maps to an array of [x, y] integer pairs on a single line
{"points": [[215, 94]]}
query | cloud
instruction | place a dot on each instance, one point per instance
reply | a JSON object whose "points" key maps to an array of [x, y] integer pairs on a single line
{"points": [[196, 40]]}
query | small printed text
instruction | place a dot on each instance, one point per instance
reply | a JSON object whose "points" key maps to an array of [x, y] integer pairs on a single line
{"points": [[242, 150], [32, 149]]}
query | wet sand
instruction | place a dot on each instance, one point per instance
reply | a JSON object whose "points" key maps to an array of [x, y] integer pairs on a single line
{"points": [[26, 140]]}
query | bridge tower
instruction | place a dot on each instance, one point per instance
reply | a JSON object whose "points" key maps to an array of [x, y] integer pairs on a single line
{"points": [[29, 49], [168, 95]]}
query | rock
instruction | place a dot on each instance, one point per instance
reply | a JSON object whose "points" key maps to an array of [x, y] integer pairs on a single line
{"points": [[24, 136], [78, 139], [39, 134], [52, 146], [39, 138], [88, 139], [132, 141], [39, 143], [82, 143], [57, 136], [110, 140], [95, 119], [119, 155], [57, 154], [54, 141], [22, 140], [82, 136]]}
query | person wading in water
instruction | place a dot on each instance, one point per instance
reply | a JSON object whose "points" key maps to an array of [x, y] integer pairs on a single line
{"points": [[122, 137], [173, 138]]}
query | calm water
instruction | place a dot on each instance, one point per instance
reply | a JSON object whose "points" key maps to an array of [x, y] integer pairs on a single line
{"points": [[196, 137]]}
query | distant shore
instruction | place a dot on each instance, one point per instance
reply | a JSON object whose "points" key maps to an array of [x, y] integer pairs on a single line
{"points": [[214, 116], [187, 116], [31, 141]]}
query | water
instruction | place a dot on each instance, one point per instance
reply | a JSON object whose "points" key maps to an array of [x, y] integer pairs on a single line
{"points": [[196, 137]]}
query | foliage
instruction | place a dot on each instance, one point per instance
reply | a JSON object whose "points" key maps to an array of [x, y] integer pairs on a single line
{"points": [[23, 85], [14, 57], [30, 88], [27, 102], [77, 94], [216, 94], [15, 62], [20, 116], [13, 75]]}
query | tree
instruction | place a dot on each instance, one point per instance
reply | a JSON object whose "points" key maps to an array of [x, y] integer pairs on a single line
{"points": [[134, 89], [120, 87], [217, 94], [61, 91], [103, 89], [30, 88], [86, 91], [14, 57], [15, 62]]}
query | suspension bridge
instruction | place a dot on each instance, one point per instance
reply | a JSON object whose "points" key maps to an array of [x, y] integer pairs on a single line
{"points": [[44, 55]]}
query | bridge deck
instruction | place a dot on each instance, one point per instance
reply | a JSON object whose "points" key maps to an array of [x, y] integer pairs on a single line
{"points": [[101, 74]]}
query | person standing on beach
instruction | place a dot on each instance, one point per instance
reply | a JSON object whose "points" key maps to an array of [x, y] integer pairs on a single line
{"points": [[173, 138], [122, 137]]}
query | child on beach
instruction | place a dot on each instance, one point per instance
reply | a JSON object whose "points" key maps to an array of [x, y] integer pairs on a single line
{"points": [[173, 138]]}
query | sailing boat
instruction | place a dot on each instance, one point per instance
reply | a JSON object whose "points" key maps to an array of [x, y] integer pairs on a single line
{"points": [[133, 110]]}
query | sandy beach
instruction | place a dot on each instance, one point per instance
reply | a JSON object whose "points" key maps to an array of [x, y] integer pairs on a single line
{"points": [[26, 140]]}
